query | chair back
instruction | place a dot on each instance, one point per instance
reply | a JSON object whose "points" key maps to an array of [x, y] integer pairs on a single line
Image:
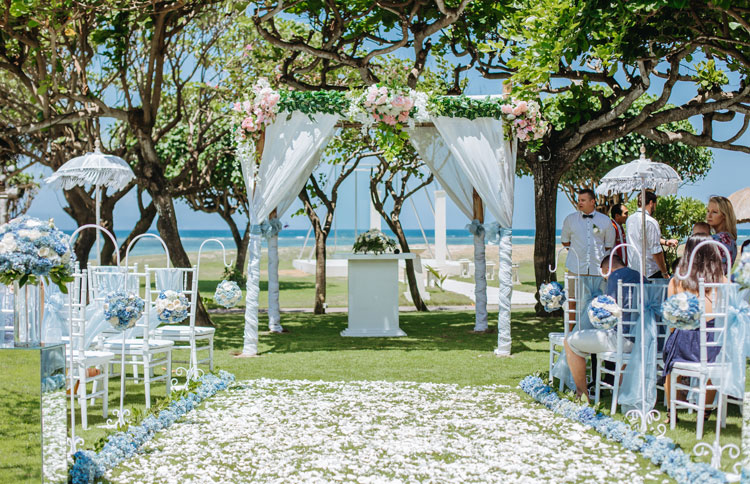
{"points": [[629, 300], [183, 280], [573, 289], [76, 311], [712, 336]]}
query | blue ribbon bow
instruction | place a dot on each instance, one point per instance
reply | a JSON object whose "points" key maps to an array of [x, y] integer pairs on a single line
{"points": [[270, 228]]}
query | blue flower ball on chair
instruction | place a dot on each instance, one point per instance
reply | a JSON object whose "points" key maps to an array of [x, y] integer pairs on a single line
{"points": [[552, 296], [682, 311], [122, 309], [741, 274], [171, 306], [228, 294], [604, 312]]}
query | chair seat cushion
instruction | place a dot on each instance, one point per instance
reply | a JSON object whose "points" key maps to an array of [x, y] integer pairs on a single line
{"points": [[91, 357], [173, 330], [612, 356], [137, 344], [714, 370]]}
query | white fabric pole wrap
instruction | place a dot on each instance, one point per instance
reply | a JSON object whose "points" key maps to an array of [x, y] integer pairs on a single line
{"points": [[505, 278], [250, 335], [274, 310], [291, 151], [489, 163], [480, 282]]}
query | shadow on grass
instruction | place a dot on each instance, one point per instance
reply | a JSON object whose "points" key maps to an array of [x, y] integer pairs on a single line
{"points": [[436, 331]]}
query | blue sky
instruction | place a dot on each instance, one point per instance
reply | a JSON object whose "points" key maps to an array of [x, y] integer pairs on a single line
{"points": [[730, 173]]}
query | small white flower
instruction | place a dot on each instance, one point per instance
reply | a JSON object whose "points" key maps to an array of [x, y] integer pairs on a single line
{"points": [[29, 234], [45, 252]]}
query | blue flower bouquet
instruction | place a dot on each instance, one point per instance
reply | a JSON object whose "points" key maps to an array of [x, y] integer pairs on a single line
{"points": [[552, 296], [171, 306], [31, 249], [682, 311], [741, 274], [122, 309], [604, 312], [228, 294]]}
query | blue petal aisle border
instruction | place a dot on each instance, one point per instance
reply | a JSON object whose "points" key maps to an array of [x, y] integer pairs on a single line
{"points": [[660, 450], [89, 466]]}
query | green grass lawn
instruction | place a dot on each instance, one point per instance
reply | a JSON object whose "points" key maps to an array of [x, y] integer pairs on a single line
{"points": [[439, 348]]}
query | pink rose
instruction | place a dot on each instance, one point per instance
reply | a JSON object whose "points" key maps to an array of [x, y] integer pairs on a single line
{"points": [[403, 117], [248, 124], [237, 107], [382, 100], [506, 108], [523, 106], [389, 120], [247, 106], [408, 104]]}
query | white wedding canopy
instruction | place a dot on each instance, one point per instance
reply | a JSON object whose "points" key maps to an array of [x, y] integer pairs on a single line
{"points": [[97, 169], [488, 160], [291, 150], [438, 157]]}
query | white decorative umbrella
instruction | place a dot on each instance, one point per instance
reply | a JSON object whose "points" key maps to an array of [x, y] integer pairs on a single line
{"points": [[741, 204], [97, 169], [641, 174]]}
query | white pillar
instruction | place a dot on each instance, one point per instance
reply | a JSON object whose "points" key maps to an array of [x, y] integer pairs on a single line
{"points": [[374, 217], [440, 233]]}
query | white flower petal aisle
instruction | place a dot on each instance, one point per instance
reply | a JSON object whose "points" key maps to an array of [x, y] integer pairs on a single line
{"points": [[301, 431]]}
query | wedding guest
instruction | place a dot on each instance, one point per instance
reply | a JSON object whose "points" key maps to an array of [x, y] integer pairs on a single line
{"points": [[720, 217], [701, 228], [588, 342], [619, 214], [684, 345], [656, 267]]}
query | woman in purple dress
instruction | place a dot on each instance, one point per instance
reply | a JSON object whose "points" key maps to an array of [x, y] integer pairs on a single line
{"points": [[720, 216], [684, 345]]}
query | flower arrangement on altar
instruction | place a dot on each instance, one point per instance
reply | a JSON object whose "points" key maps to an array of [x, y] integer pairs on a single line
{"points": [[373, 242], [741, 274], [89, 466], [31, 249], [122, 309], [552, 296], [682, 311], [604, 312], [228, 294], [171, 306], [257, 112]]}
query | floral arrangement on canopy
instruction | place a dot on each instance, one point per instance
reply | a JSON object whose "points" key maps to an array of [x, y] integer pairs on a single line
{"points": [[373, 242], [171, 306], [31, 249]]}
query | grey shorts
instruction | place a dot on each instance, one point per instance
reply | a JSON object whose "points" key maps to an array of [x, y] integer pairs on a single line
{"points": [[588, 341]]}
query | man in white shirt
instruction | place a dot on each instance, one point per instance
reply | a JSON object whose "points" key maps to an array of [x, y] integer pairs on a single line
{"points": [[656, 267], [590, 236]]}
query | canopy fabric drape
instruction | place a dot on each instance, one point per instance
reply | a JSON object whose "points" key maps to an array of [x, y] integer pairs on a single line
{"points": [[437, 156], [488, 160], [290, 153]]}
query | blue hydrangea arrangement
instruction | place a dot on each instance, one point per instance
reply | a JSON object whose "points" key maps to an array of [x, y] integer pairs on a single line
{"points": [[228, 294], [52, 383], [604, 312], [31, 249], [682, 311], [660, 450], [89, 466], [741, 274], [552, 296], [122, 309], [171, 306]]}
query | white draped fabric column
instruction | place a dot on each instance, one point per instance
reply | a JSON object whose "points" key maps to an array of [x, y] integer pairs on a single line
{"points": [[290, 153], [274, 309], [489, 163], [434, 152]]}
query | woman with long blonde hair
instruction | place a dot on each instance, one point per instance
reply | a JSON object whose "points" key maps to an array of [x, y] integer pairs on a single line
{"points": [[720, 216]]}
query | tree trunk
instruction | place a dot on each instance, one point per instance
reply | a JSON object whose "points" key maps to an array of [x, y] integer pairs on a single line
{"points": [[320, 270], [141, 227], [546, 177], [81, 209], [167, 226], [411, 276], [242, 249]]}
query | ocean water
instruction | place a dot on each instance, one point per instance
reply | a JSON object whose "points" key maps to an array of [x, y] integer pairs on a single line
{"points": [[192, 239]]}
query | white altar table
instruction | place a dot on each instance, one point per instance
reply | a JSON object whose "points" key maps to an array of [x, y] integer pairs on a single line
{"points": [[373, 294]]}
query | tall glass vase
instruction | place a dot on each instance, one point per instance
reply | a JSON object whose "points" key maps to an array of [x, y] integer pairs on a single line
{"points": [[28, 304]]}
